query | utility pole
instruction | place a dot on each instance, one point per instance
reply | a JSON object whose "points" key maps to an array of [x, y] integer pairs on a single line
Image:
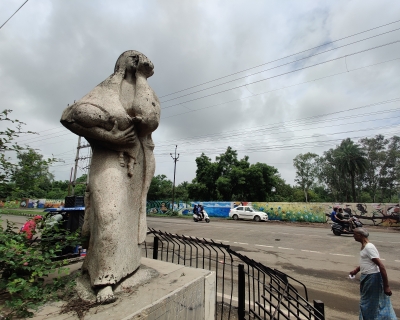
{"points": [[173, 187], [77, 158]]}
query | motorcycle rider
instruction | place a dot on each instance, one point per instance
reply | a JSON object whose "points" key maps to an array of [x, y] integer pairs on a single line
{"points": [[338, 217], [195, 209], [333, 214], [201, 213]]}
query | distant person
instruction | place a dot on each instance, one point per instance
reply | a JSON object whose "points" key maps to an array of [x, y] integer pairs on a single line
{"points": [[375, 292], [346, 223], [29, 228], [54, 220], [338, 217], [195, 209], [333, 214], [200, 211]]}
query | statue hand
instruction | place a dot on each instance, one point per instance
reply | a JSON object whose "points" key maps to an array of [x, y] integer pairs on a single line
{"points": [[122, 137]]}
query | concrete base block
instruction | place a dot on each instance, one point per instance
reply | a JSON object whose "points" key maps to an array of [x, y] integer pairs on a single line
{"points": [[176, 293], [141, 276]]}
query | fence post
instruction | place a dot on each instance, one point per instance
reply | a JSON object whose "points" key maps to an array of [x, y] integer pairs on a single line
{"points": [[155, 248], [241, 292], [319, 306]]}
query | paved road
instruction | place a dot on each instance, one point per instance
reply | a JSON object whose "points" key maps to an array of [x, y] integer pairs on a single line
{"points": [[310, 254]]}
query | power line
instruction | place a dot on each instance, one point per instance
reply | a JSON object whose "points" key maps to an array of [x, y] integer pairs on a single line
{"points": [[293, 122], [282, 139], [276, 147], [291, 55], [281, 65], [63, 129], [269, 147], [28, 135], [38, 139], [32, 140], [257, 146], [271, 127], [281, 88], [13, 14], [288, 72]]}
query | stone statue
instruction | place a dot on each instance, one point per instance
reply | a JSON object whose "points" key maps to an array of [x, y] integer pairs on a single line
{"points": [[117, 118]]}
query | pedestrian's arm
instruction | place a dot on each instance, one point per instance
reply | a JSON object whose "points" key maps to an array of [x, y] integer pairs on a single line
{"points": [[355, 271], [385, 279]]}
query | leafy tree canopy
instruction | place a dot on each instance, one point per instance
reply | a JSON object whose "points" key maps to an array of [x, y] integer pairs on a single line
{"points": [[229, 178]]}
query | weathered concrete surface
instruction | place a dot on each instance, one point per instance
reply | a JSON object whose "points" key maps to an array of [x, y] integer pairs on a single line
{"points": [[117, 118], [141, 276], [178, 292]]}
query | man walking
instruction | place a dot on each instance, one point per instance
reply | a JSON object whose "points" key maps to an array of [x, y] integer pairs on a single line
{"points": [[374, 284]]}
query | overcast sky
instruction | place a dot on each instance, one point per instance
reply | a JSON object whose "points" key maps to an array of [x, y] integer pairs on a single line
{"points": [[271, 79]]}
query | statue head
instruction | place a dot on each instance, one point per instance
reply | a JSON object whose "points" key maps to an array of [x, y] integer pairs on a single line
{"points": [[129, 61]]}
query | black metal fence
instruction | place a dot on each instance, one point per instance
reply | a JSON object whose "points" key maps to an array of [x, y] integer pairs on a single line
{"points": [[245, 289]]}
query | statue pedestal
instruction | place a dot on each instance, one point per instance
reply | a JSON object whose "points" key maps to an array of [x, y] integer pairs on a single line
{"points": [[177, 293]]}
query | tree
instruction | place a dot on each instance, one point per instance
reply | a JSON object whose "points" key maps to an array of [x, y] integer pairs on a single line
{"points": [[327, 173], [182, 191], [80, 186], [160, 188], [14, 180], [389, 180], [204, 185], [229, 178], [31, 175], [331, 176], [351, 161], [8, 144], [283, 192], [376, 156], [59, 190], [306, 171]]}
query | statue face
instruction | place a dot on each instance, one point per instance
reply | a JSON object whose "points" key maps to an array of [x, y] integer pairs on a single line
{"points": [[132, 62]]}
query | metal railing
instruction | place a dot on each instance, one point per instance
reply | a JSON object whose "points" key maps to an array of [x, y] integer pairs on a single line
{"points": [[245, 289]]}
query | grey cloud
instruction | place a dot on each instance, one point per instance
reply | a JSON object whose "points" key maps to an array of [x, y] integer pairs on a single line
{"points": [[55, 52]]}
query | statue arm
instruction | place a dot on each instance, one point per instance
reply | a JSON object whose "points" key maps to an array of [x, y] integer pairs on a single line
{"points": [[91, 122]]}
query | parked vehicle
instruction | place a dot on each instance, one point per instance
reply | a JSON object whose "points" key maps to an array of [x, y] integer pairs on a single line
{"points": [[247, 213], [338, 229], [197, 217]]}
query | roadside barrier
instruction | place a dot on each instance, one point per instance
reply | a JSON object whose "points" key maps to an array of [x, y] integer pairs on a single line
{"points": [[246, 289]]}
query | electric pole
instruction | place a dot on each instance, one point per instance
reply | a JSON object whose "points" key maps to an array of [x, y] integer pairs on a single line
{"points": [[72, 181], [173, 187]]}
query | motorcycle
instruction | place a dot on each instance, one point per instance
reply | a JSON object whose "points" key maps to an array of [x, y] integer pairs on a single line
{"points": [[198, 217], [338, 229]]}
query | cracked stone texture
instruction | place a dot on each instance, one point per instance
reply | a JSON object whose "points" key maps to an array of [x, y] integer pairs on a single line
{"points": [[117, 118]]}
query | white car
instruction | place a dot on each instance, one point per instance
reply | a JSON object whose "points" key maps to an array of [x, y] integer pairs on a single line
{"points": [[247, 213]]}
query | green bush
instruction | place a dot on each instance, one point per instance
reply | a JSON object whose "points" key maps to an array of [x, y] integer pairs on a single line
{"points": [[25, 264]]}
